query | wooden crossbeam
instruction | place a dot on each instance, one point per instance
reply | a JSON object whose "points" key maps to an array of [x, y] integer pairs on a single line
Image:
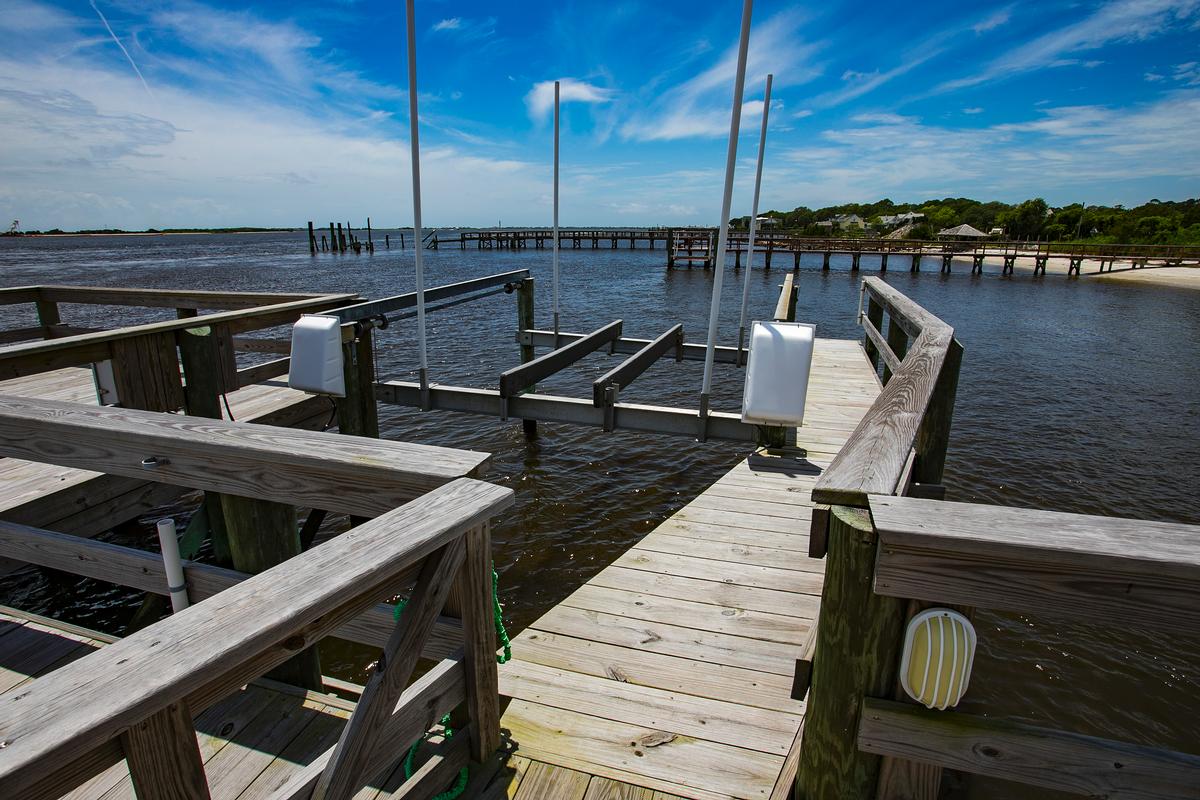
{"points": [[346, 771], [518, 378], [628, 370]]}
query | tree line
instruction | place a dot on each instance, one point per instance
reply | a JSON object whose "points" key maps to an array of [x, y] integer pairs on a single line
{"points": [[1155, 222]]}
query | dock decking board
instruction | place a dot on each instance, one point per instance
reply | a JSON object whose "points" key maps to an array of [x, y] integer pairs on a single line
{"points": [[670, 671]]}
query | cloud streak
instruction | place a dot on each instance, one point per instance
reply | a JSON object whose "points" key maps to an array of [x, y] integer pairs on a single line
{"points": [[128, 57], [540, 100]]}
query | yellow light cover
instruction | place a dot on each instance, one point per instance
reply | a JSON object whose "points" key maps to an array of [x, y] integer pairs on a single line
{"points": [[939, 651]]}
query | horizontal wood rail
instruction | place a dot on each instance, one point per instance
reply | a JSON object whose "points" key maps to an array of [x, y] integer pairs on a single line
{"points": [[1099, 570], [164, 298], [372, 309], [692, 351], [1068, 762], [73, 723], [354, 475], [519, 378], [873, 460], [628, 370], [142, 570]]}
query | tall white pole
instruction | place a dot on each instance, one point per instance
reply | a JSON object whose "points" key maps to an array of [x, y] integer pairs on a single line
{"points": [[176, 584], [556, 213], [762, 143], [416, 190], [735, 119]]}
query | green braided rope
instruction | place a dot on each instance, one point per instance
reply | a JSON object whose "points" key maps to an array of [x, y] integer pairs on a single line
{"points": [[460, 784]]}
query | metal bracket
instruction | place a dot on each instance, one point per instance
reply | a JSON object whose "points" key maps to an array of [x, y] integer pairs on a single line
{"points": [[610, 411]]}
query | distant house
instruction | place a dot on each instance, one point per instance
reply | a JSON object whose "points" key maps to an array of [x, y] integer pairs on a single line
{"points": [[996, 232], [909, 216], [889, 220], [763, 221], [825, 223], [961, 232], [847, 221]]}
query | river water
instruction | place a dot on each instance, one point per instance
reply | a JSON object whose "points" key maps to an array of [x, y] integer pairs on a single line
{"points": [[1075, 395]]}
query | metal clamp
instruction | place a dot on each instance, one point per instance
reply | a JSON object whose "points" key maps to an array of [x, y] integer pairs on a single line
{"points": [[150, 462]]}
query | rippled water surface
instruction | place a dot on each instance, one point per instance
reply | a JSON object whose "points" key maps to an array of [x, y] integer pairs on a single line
{"points": [[1075, 396]]}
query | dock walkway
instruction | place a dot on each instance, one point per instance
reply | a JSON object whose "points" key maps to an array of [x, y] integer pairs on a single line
{"points": [[671, 670]]}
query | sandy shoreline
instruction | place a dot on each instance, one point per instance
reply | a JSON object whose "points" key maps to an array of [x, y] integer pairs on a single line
{"points": [[1179, 277]]}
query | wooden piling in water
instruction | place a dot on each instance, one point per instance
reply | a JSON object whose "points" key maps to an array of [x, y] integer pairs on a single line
{"points": [[312, 239], [370, 241], [525, 322]]}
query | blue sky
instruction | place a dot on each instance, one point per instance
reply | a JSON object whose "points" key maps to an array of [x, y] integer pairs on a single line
{"points": [[194, 113]]}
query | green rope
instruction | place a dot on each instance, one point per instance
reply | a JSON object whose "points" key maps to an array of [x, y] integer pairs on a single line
{"points": [[460, 784]]}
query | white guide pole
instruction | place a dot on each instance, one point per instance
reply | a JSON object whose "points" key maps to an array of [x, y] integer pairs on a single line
{"points": [[176, 584], [556, 213], [416, 190], [762, 143], [739, 86]]}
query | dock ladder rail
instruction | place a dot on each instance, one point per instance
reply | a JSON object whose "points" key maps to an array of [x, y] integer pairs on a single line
{"points": [[892, 550], [136, 698]]}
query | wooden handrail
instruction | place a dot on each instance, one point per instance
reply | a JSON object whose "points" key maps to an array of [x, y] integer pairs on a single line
{"points": [[873, 459], [1087, 568], [166, 298], [354, 475], [63, 727]]}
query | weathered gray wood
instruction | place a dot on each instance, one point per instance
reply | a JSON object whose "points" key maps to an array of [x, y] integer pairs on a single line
{"points": [[692, 351], [146, 370], [165, 298], [262, 534], [553, 408], [297, 467], [628, 370], [525, 321], [33, 357], [897, 346], [471, 601], [878, 348], [386, 305], [357, 412], [47, 312], [516, 379], [202, 653], [875, 317], [785, 307], [858, 643], [247, 344], [423, 703], [164, 756], [259, 373], [144, 571], [933, 439], [873, 459], [346, 771], [1027, 754], [1098, 569]]}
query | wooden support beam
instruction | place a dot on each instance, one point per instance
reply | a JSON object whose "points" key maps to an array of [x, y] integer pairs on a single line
{"points": [[933, 438], [516, 379], [1074, 566], [858, 644], [202, 398], [164, 756], [628, 370], [875, 318], [692, 351], [1036, 756]]}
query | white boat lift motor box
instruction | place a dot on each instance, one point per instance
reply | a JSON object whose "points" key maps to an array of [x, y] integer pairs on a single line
{"points": [[777, 373], [317, 356]]}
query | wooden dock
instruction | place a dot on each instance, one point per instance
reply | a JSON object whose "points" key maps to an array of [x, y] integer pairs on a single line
{"points": [[672, 669]]}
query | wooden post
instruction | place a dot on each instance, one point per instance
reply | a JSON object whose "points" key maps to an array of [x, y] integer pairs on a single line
{"points": [[525, 322], [164, 756], [670, 248], [201, 361], [47, 311], [858, 647], [261, 535], [897, 339], [341, 240], [875, 317], [934, 435], [471, 601], [370, 241], [333, 242], [312, 239], [357, 412], [387, 241]]}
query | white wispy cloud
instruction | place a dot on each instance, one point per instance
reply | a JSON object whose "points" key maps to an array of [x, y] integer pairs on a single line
{"points": [[451, 24], [466, 29], [540, 99], [700, 105], [993, 21], [121, 45], [1114, 21]]}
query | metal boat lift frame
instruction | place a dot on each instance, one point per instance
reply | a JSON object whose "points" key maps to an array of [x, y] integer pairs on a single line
{"points": [[517, 397]]}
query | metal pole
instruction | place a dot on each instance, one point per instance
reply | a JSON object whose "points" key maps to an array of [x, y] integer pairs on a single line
{"points": [[762, 143], [556, 213], [739, 86], [416, 190]]}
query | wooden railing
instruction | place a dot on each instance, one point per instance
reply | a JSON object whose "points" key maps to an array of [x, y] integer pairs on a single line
{"points": [[135, 699], [900, 445], [861, 741], [146, 359]]}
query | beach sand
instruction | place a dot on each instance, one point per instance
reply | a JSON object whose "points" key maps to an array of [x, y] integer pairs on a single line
{"points": [[1180, 277]]}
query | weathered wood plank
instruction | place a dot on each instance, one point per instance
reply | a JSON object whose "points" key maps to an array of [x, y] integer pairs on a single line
{"points": [[1083, 567], [628, 370], [516, 379], [164, 757], [1069, 762], [306, 468], [202, 653]]}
